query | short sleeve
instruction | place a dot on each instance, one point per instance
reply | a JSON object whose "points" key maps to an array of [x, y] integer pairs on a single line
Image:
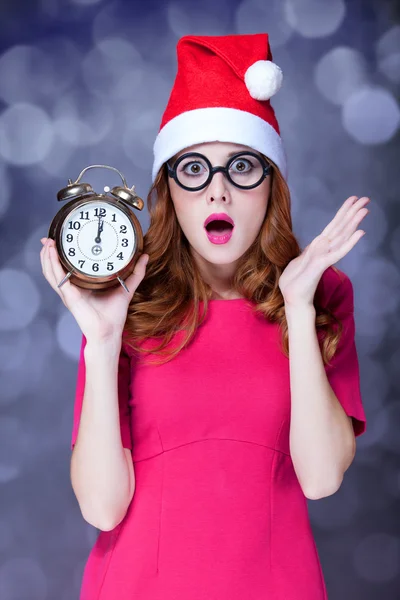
{"points": [[344, 373], [124, 378]]}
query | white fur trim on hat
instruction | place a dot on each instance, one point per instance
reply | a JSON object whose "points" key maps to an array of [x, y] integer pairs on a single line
{"points": [[263, 79], [218, 124]]}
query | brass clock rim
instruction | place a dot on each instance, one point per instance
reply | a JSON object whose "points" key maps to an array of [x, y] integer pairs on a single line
{"points": [[77, 277]]}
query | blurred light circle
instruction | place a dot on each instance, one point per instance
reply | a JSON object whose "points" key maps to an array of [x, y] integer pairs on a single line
{"points": [[22, 578], [251, 14], [82, 119], [19, 299], [379, 288], [391, 440], [210, 20], [138, 130], [23, 72], [56, 162], [26, 134], [5, 195], [315, 18], [68, 334], [388, 54], [86, 2], [340, 73], [377, 558], [19, 341], [371, 115], [113, 68]]}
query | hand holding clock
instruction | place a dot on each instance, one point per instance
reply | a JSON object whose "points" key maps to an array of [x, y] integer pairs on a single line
{"points": [[100, 315]]}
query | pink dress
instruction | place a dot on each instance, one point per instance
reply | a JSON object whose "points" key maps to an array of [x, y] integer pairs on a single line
{"points": [[218, 512]]}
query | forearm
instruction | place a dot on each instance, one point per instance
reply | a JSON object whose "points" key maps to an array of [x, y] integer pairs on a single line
{"points": [[321, 436], [100, 474]]}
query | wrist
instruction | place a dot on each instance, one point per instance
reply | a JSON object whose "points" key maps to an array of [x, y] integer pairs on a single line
{"points": [[108, 347], [299, 312]]}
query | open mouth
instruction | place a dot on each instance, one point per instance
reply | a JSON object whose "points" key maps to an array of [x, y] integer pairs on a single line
{"points": [[219, 227]]}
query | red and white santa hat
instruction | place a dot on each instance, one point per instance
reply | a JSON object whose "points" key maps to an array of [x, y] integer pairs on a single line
{"points": [[222, 92]]}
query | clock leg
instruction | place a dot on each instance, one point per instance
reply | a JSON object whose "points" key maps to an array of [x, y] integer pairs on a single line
{"points": [[68, 275], [122, 282]]}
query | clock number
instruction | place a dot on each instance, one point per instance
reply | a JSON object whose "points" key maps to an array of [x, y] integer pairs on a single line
{"points": [[81, 263], [70, 237], [71, 251], [74, 225], [122, 229], [87, 215], [110, 266], [95, 266], [114, 220], [100, 212], [120, 256], [124, 240]]}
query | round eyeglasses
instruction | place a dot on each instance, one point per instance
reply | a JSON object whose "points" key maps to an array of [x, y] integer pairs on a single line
{"points": [[193, 171]]}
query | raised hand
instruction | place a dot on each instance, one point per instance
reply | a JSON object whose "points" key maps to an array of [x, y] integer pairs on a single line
{"points": [[101, 315], [300, 278]]}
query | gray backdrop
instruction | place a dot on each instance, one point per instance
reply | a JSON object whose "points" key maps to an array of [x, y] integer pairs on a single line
{"points": [[86, 81]]}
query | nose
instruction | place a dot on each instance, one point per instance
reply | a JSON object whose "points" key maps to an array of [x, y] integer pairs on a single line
{"points": [[218, 188]]}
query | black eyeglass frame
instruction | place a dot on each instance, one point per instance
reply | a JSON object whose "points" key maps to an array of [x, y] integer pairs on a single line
{"points": [[211, 170]]}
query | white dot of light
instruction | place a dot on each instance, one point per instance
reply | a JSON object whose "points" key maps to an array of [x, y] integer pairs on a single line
{"points": [[388, 54], [22, 578], [19, 299], [26, 134], [250, 16], [371, 115], [377, 557], [340, 73], [314, 18], [212, 19], [68, 335]]}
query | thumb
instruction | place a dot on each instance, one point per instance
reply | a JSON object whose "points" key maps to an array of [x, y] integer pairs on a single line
{"points": [[139, 272]]}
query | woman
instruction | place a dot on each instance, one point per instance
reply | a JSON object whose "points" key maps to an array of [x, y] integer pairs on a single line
{"points": [[223, 390]]}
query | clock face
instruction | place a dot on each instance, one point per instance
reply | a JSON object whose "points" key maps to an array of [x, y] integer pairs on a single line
{"points": [[98, 238]]}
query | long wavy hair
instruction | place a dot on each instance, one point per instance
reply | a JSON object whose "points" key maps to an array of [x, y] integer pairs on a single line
{"points": [[167, 300]]}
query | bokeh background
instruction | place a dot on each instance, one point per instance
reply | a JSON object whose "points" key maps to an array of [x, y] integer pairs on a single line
{"points": [[86, 81]]}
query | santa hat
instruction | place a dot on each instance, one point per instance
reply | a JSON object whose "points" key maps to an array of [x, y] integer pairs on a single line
{"points": [[222, 92]]}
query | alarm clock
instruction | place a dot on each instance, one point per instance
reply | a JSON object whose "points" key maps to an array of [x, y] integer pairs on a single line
{"points": [[98, 237]]}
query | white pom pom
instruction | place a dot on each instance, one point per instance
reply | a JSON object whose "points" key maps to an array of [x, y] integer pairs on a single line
{"points": [[263, 79]]}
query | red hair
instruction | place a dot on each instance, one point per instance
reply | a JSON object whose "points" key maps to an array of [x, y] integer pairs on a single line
{"points": [[167, 299]]}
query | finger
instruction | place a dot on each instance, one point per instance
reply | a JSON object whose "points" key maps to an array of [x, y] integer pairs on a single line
{"points": [[58, 273], [344, 214], [346, 246], [348, 229], [139, 272]]}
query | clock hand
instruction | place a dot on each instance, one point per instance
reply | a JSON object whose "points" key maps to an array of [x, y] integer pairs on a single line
{"points": [[97, 239]]}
